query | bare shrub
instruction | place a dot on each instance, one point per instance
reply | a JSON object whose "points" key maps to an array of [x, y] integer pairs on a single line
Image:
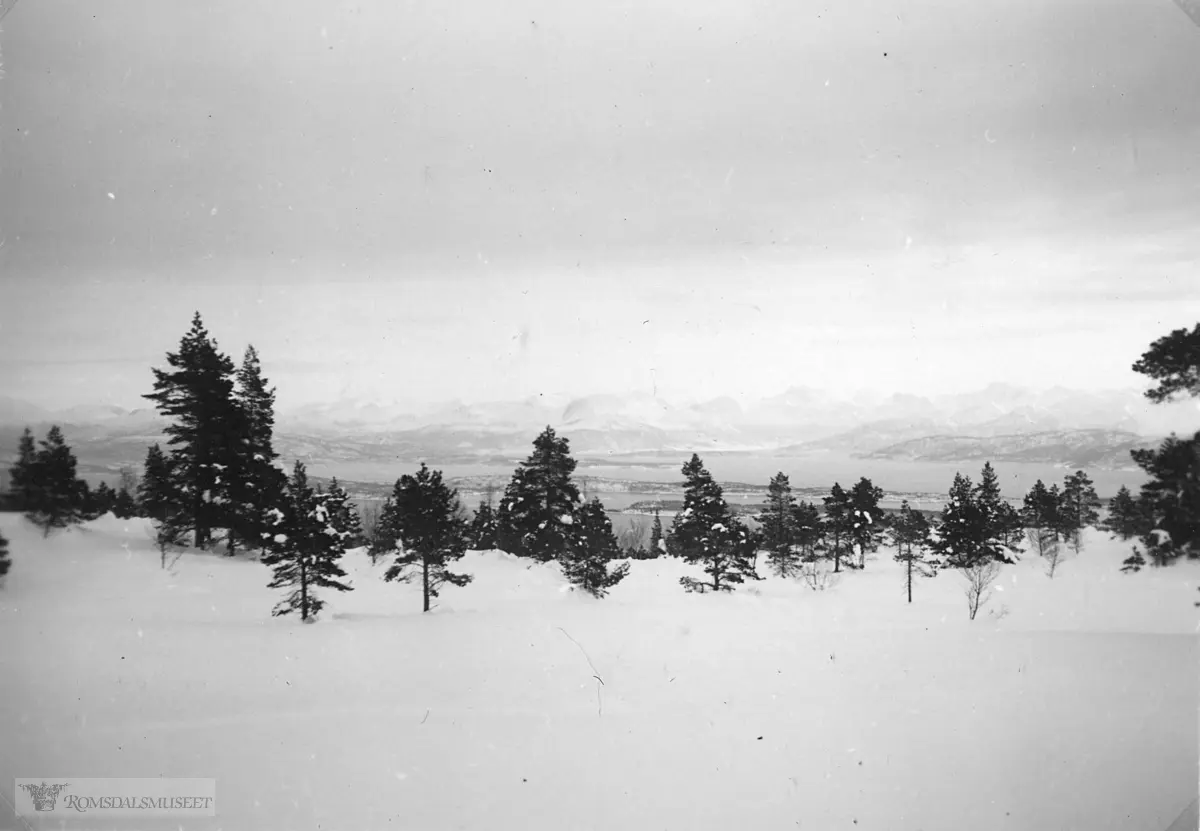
{"points": [[980, 578]]}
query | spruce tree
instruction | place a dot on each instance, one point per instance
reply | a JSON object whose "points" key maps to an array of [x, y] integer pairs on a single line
{"points": [[705, 531], [837, 524], [778, 527], [658, 545], [22, 475], [865, 520], [161, 501], [1080, 507], [124, 504], [343, 514], [5, 559], [303, 547], [103, 500], [586, 566], [1004, 521], [807, 526], [536, 517], [969, 541], [206, 430], [483, 533], [1125, 518], [431, 533], [255, 483], [386, 532], [58, 497], [910, 533]]}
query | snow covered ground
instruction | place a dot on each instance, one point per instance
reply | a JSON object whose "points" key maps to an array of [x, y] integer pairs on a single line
{"points": [[517, 704]]}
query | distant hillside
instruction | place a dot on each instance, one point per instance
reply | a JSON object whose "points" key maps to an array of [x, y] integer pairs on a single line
{"points": [[1108, 449]]}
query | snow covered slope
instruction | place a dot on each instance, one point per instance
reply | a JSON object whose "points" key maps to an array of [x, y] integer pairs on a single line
{"points": [[518, 704]]}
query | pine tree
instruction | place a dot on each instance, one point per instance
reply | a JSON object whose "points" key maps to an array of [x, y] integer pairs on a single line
{"points": [[431, 533], [386, 533], [483, 534], [303, 547], [968, 540], [586, 566], [343, 514], [910, 533], [658, 545], [124, 505], [255, 483], [5, 559], [162, 502], [22, 475], [206, 431], [1125, 518], [1004, 521], [1080, 507], [1171, 498], [705, 531], [778, 527], [58, 497], [807, 525], [537, 514], [837, 524], [104, 499], [866, 521]]}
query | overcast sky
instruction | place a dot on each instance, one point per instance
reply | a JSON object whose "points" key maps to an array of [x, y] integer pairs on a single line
{"points": [[426, 200]]}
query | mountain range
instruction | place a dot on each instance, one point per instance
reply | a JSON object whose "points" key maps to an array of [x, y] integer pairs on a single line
{"points": [[1000, 422]]}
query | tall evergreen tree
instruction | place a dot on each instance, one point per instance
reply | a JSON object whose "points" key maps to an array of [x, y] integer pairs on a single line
{"points": [[837, 524], [104, 499], [1171, 498], [255, 483], [431, 531], [1125, 518], [866, 521], [536, 517], [705, 531], [1080, 507], [205, 431], [483, 528], [58, 497], [1004, 521], [658, 545], [124, 504], [910, 533], [778, 527], [586, 566], [386, 532], [161, 501], [22, 475], [969, 541], [343, 514], [807, 525], [303, 547]]}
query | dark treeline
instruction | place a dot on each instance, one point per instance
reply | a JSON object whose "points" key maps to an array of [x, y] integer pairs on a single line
{"points": [[218, 482]]}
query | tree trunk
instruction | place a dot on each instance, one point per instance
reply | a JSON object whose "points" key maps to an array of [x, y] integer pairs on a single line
{"points": [[910, 570], [303, 590], [425, 581]]}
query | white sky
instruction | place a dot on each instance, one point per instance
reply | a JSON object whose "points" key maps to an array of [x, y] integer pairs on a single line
{"points": [[410, 202]]}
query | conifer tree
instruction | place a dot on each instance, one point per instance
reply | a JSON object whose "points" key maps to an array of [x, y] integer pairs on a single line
{"points": [[5, 559], [255, 483], [343, 514], [483, 528], [969, 541], [778, 527], [1170, 499], [160, 499], [1125, 518], [1004, 521], [58, 495], [431, 531], [102, 500], [1080, 507], [837, 524], [705, 531], [910, 533], [385, 533], [658, 545], [206, 429], [303, 547], [124, 505], [865, 520], [586, 566], [536, 517], [807, 526], [23, 485]]}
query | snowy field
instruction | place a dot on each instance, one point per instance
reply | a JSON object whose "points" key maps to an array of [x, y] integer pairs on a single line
{"points": [[1069, 704]]}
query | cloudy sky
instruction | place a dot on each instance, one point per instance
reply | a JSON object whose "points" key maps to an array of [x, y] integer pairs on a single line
{"points": [[423, 200]]}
